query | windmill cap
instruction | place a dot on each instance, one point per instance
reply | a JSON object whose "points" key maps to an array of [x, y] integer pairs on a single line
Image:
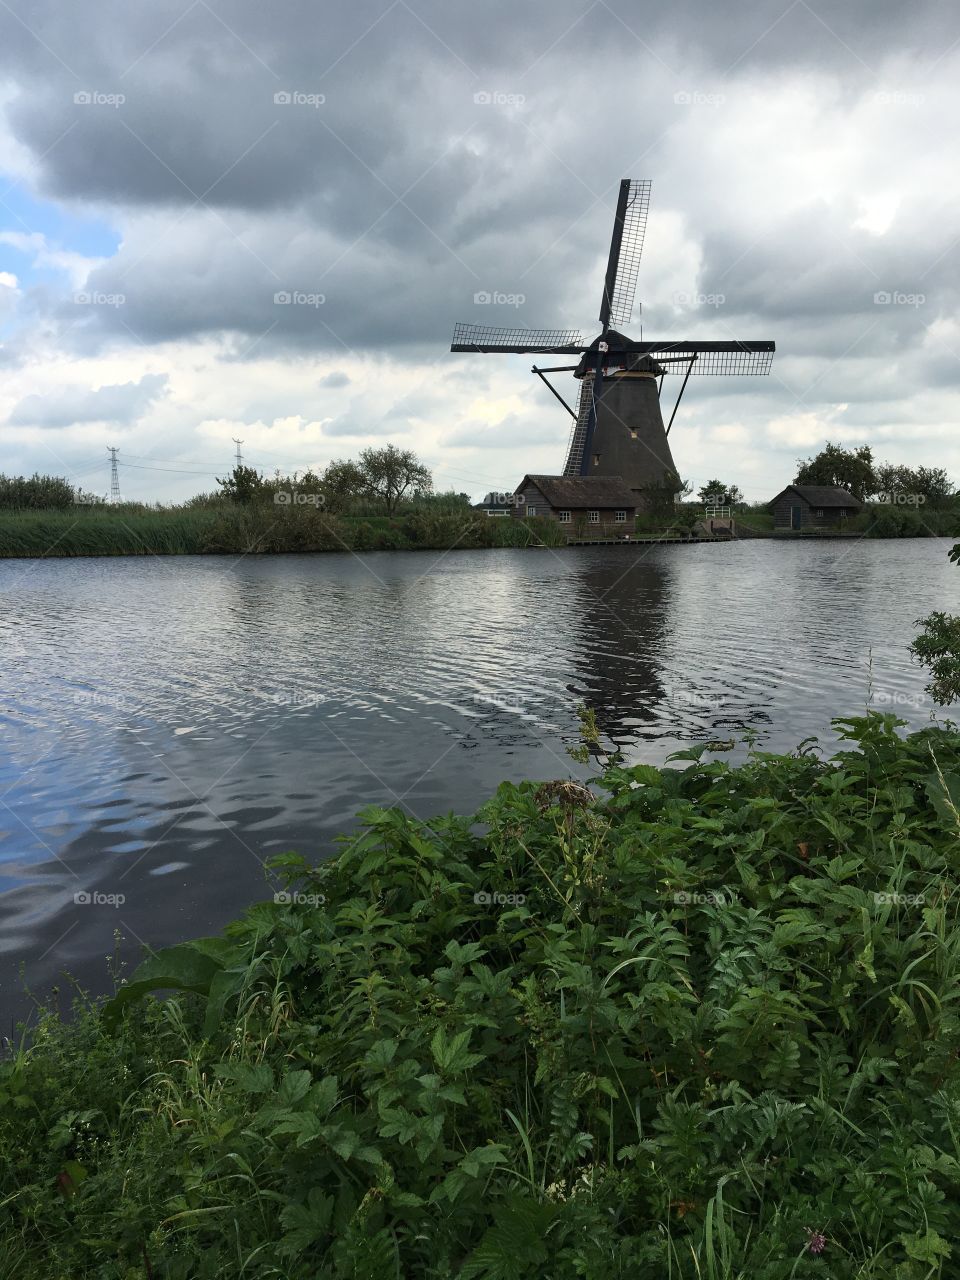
{"points": [[615, 341]]}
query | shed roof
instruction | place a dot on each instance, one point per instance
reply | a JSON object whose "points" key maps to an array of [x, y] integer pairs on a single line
{"points": [[820, 495], [583, 491]]}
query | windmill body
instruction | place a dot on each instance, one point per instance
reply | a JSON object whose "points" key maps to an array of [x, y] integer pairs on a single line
{"points": [[629, 438], [618, 426]]}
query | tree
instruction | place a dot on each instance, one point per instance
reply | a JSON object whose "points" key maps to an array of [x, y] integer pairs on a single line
{"points": [[660, 497], [342, 483], [937, 647], [930, 484], [391, 474], [934, 484], [243, 484], [850, 469], [716, 493]]}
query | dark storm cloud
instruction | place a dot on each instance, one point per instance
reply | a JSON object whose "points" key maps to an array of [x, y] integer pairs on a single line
{"points": [[390, 161]]}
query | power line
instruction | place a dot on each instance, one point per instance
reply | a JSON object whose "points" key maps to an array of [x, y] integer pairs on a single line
{"points": [[178, 470]]}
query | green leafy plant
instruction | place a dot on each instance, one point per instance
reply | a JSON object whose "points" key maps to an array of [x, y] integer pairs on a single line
{"points": [[698, 1021]]}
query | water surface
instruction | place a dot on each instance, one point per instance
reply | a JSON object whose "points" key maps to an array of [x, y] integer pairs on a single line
{"points": [[167, 724]]}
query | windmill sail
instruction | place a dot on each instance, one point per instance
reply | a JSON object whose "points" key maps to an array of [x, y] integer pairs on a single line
{"points": [[626, 246], [482, 337]]}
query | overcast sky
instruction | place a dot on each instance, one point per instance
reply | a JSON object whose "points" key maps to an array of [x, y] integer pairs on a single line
{"points": [[169, 169]]}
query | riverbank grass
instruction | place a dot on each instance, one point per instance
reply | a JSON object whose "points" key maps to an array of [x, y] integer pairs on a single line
{"points": [[697, 1022]]}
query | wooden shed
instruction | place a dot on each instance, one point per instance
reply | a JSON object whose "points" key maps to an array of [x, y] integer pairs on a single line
{"points": [[591, 504], [813, 506]]}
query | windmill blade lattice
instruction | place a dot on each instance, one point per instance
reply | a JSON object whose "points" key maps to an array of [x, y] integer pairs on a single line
{"points": [[631, 247], [481, 337]]}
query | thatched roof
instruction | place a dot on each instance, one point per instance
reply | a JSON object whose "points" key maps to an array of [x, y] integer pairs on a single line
{"points": [[820, 495], [589, 492]]}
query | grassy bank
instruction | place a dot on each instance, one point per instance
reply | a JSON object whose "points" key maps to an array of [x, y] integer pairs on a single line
{"points": [[241, 530], [99, 531], [698, 1023]]}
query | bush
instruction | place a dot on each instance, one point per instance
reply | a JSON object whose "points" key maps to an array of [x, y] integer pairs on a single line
{"points": [[699, 1022], [37, 492]]}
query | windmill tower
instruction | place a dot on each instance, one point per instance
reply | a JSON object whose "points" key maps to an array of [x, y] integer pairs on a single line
{"points": [[618, 427]]}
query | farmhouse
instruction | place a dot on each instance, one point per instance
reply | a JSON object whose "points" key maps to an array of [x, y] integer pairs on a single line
{"points": [[813, 506], [589, 503]]}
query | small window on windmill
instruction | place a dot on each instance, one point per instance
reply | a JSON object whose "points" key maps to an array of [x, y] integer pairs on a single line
{"points": [[633, 433], [563, 517], [596, 459], [593, 517]]}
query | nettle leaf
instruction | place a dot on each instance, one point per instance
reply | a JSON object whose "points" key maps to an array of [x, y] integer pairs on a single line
{"points": [[399, 1123], [475, 1161], [257, 1079], [928, 1247], [647, 775], [379, 1056], [345, 1142], [452, 1055], [323, 1095], [305, 1224], [294, 1086], [464, 953]]}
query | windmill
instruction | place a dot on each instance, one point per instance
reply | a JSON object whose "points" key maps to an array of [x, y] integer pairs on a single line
{"points": [[618, 425]]}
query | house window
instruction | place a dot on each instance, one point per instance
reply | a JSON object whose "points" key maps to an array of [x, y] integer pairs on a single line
{"points": [[531, 511], [843, 513], [593, 517], [563, 517], [819, 511], [620, 517]]}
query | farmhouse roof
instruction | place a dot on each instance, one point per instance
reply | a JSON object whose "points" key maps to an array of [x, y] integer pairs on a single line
{"points": [[583, 491], [821, 495]]}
